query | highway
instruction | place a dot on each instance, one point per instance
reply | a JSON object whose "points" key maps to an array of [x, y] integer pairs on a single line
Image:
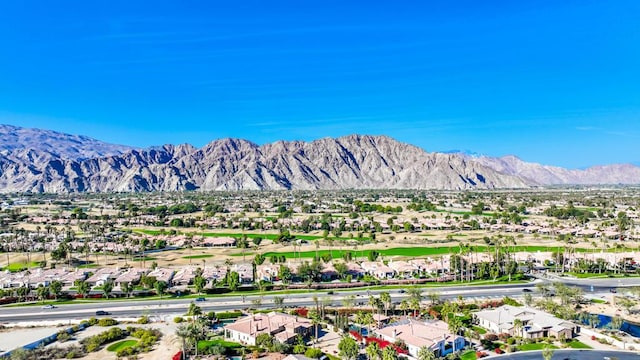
{"points": [[176, 307]]}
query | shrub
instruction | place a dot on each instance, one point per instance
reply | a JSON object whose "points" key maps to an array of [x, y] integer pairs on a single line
{"points": [[107, 322], [313, 353], [178, 319], [229, 315], [491, 337], [509, 301], [299, 349], [144, 319], [499, 351]]}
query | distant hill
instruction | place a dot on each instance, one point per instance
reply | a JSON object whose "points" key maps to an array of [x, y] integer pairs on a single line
{"points": [[553, 175], [55, 144]]}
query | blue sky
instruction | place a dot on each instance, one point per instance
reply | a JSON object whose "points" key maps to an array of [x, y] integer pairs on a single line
{"points": [[555, 82]]}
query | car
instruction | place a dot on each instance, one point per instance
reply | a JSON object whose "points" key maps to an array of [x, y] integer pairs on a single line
{"points": [[401, 291], [613, 290], [49, 306], [526, 290], [201, 299], [102, 312], [330, 292]]}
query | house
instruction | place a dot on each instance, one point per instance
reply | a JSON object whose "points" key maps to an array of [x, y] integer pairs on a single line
{"points": [[162, 274], [532, 323], [404, 268], [283, 327], [378, 270], [131, 276], [267, 272], [219, 242], [184, 276], [102, 275], [433, 334]]}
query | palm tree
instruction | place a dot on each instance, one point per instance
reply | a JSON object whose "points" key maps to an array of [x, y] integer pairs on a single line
{"points": [[385, 297], [425, 353], [547, 353], [455, 324], [315, 321], [126, 288], [389, 353], [107, 288], [373, 351], [190, 334], [518, 324]]}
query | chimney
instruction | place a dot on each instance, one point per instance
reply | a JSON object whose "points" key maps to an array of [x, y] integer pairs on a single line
{"points": [[395, 333]]}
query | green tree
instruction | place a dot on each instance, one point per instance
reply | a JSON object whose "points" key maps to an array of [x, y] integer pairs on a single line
{"points": [[425, 353], [385, 297], [160, 287], [547, 352], [22, 292], [455, 324], [199, 282], [56, 288], [314, 315], [42, 292], [348, 348], [126, 288], [233, 281], [190, 334], [107, 288], [373, 351], [389, 353], [616, 322], [82, 287], [194, 310]]}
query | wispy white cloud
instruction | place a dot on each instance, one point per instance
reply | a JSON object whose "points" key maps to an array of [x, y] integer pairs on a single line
{"points": [[587, 128]]}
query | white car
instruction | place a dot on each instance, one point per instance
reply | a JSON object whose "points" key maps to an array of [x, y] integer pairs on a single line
{"points": [[49, 307]]}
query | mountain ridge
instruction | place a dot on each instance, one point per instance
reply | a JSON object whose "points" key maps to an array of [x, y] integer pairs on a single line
{"points": [[352, 161]]}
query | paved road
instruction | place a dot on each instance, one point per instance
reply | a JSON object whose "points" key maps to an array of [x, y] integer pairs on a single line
{"points": [[134, 308], [571, 355]]}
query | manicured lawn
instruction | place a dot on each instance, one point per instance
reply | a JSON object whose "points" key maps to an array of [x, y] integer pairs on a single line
{"points": [[239, 235], [121, 345], [13, 267], [598, 301], [400, 251], [205, 344], [203, 256], [575, 344], [535, 346], [469, 355], [479, 330]]}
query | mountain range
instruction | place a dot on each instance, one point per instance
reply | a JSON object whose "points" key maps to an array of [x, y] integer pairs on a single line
{"points": [[46, 161]]}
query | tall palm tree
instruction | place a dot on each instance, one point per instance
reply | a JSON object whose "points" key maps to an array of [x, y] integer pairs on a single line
{"points": [[455, 324], [385, 297]]}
